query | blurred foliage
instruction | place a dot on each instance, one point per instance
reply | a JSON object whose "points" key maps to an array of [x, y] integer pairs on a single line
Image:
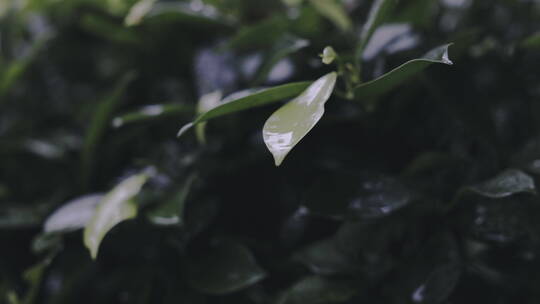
{"points": [[418, 185]]}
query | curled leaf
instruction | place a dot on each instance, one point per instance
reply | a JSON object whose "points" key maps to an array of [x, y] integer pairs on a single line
{"points": [[290, 123]]}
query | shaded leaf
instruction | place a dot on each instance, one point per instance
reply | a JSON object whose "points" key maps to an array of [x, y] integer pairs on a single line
{"points": [[264, 33], [257, 99], [20, 216], [138, 11], [290, 123], [320, 290], [505, 184], [171, 212], [182, 11], [377, 14], [227, 268], [404, 72], [73, 215], [324, 257], [150, 113], [115, 207], [334, 11], [205, 104], [532, 42]]}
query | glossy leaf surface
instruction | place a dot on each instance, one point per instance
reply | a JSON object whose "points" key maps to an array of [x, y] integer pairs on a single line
{"points": [[227, 268], [115, 207], [290, 123], [257, 99], [404, 72]]}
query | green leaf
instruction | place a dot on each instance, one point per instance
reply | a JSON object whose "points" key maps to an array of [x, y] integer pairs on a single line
{"points": [[99, 124], [171, 212], [115, 207], [227, 268], [402, 73], [73, 215], [532, 42], [205, 104], [377, 14], [290, 123], [333, 10], [108, 30], [507, 183], [324, 257], [138, 11], [257, 99], [151, 112], [328, 55], [22, 216], [264, 33], [320, 290]]}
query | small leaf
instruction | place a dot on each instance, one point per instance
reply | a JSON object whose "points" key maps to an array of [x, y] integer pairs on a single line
{"points": [[290, 123], [172, 211], [151, 112], [256, 99], [227, 268], [328, 55], [115, 207], [333, 10], [505, 184], [73, 215], [377, 14], [402, 73], [320, 290]]}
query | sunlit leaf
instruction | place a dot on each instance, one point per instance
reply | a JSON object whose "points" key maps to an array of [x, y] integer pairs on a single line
{"points": [[290, 123], [73, 215], [115, 207], [377, 15], [334, 11], [259, 98], [505, 184], [404, 72], [320, 290], [228, 268]]}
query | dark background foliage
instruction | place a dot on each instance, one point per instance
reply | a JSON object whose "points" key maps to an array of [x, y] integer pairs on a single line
{"points": [[375, 205]]}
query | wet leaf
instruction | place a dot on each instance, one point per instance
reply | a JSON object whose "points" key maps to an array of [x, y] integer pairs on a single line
{"points": [[505, 184], [377, 14], [256, 99], [171, 212], [116, 206], [334, 11], [151, 113], [290, 123], [320, 290], [404, 72], [227, 268], [73, 215]]}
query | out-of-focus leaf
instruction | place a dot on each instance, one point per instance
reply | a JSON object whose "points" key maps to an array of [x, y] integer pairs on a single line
{"points": [[73, 215], [377, 14], [505, 184], [264, 33], [228, 268], [34, 277], [138, 11], [328, 55], [260, 98], [171, 212], [532, 42], [323, 257], [206, 103], [100, 122], [282, 49], [20, 216], [201, 13], [390, 38], [320, 290], [116, 206], [150, 113], [44, 242], [334, 11], [109, 30], [438, 285], [354, 197], [290, 123], [402, 73]]}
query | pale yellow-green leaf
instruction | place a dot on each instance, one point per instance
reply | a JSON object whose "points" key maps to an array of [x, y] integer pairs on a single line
{"points": [[290, 123]]}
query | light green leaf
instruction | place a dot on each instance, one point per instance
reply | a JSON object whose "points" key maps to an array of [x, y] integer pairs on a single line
{"points": [[171, 212], [333, 10], [257, 99], [73, 215], [377, 14], [509, 182], [151, 112], [115, 207], [290, 123], [227, 268], [328, 55], [402, 73], [138, 11]]}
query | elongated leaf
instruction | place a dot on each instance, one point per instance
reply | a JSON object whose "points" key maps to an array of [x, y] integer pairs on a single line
{"points": [[505, 184], [150, 113], [73, 215], [333, 10], [205, 104], [138, 11], [319, 290], [377, 14], [228, 268], [172, 211], [257, 99], [290, 123], [115, 207], [402, 73]]}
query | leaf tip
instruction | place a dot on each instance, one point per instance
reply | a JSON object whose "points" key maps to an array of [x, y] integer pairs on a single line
{"points": [[184, 129]]}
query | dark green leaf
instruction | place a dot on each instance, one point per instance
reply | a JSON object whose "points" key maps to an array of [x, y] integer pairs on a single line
{"points": [[404, 72], [505, 184], [320, 290], [150, 113], [227, 268], [257, 99], [171, 212], [334, 11], [324, 257], [532, 42]]}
